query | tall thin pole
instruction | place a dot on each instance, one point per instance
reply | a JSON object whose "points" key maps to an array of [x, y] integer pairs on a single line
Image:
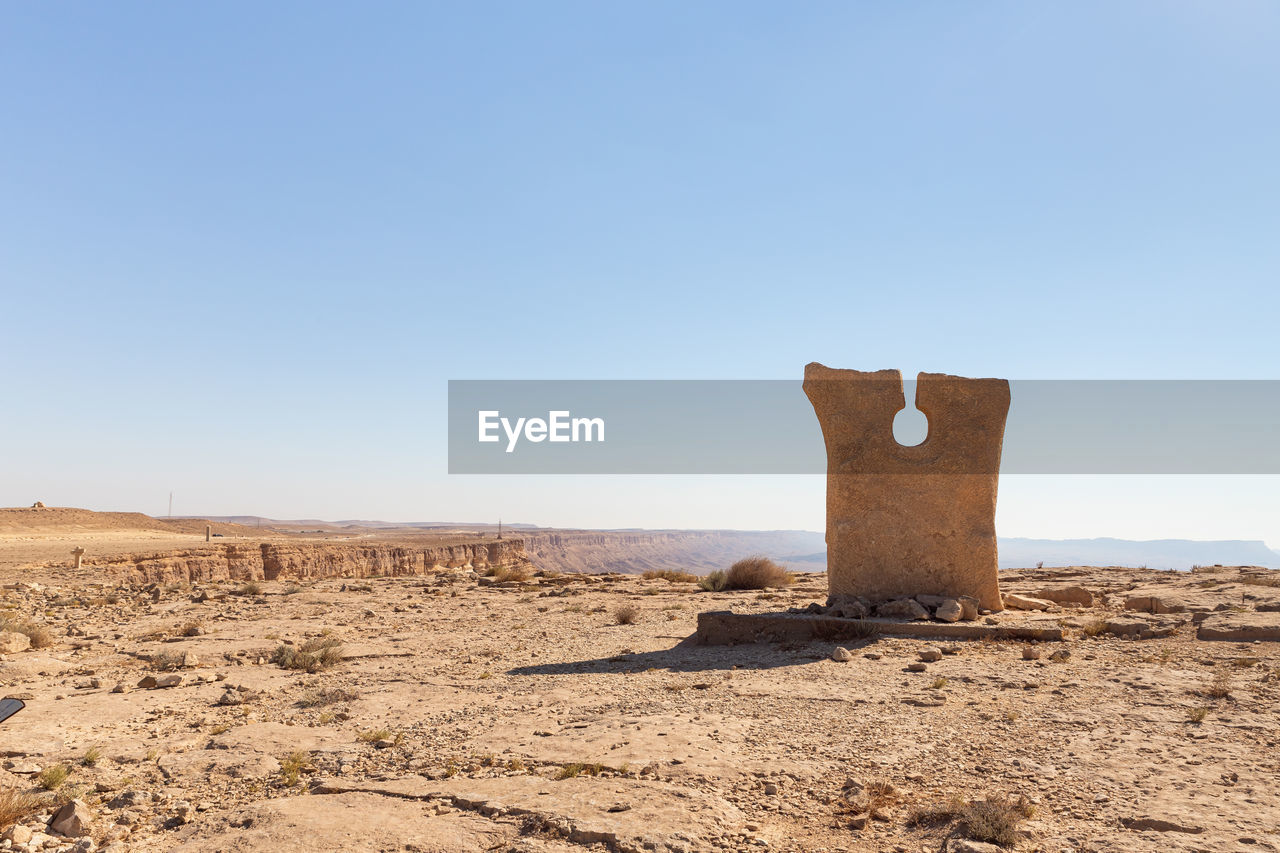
{"points": [[171, 504]]}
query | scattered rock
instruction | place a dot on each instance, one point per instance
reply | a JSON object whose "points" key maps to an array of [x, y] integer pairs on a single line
{"points": [[12, 642], [930, 653], [173, 679], [950, 611], [964, 845], [230, 696], [1030, 653], [916, 667], [18, 835], [902, 608], [1060, 655], [1013, 601], [1067, 595], [72, 820], [841, 655]]}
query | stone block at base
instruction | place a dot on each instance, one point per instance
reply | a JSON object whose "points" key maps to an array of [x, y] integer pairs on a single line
{"points": [[724, 627]]}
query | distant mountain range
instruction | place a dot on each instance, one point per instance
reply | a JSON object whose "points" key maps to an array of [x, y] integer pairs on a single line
{"points": [[637, 549], [1154, 553]]}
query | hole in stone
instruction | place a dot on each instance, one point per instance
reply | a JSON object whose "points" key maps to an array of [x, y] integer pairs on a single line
{"points": [[910, 426]]}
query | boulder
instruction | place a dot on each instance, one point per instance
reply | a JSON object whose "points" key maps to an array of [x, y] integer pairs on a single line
{"points": [[71, 820], [930, 653], [902, 608], [1154, 604], [12, 641], [1012, 601], [1067, 595], [949, 611], [1240, 626], [841, 655], [969, 605]]}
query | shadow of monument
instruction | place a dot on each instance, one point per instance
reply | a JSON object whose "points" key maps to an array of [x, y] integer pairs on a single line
{"points": [[689, 656]]}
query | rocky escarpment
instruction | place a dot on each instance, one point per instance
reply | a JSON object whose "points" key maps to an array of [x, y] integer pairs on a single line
{"points": [[269, 561]]}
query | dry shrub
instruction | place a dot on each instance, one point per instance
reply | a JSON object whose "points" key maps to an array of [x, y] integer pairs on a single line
{"points": [[38, 634], [1095, 628], [319, 696], [670, 576], [167, 661], [250, 588], [1197, 715], [993, 820], [16, 804], [627, 614], [1220, 687], [504, 574], [757, 573], [313, 656], [1271, 579]]}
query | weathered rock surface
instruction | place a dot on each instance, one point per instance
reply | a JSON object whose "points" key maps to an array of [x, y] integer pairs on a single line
{"points": [[909, 520]]}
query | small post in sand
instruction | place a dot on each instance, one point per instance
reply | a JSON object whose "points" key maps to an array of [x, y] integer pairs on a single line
{"points": [[78, 553], [208, 532]]}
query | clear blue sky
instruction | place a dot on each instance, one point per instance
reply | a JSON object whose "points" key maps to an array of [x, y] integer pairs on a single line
{"points": [[243, 246]]}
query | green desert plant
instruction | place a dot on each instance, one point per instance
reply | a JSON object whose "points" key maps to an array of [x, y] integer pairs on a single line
{"points": [[714, 582], [52, 777]]}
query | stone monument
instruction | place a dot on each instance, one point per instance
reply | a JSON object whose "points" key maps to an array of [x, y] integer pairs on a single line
{"points": [[78, 553], [910, 521]]}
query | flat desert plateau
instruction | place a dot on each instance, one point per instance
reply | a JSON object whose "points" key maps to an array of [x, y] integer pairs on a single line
{"points": [[388, 690]]}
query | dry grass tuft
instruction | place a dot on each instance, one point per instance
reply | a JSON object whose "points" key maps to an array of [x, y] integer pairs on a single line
{"points": [[757, 573], [670, 576], [193, 628], [250, 588], [91, 756], [1197, 715], [16, 805], [627, 614], [314, 655], [374, 735], [1095, 628]]}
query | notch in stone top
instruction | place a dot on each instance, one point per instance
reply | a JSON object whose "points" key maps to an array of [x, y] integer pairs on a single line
{"points": [[906, 521], [857, 408]]}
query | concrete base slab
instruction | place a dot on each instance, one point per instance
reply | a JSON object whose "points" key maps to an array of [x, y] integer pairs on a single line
{"points": [[724, 627]]}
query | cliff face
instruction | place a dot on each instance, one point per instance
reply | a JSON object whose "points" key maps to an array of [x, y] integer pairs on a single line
{"points": [[270, 561]]}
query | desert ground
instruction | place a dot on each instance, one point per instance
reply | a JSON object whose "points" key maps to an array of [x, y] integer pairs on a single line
{"points": [[510, 708]]}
